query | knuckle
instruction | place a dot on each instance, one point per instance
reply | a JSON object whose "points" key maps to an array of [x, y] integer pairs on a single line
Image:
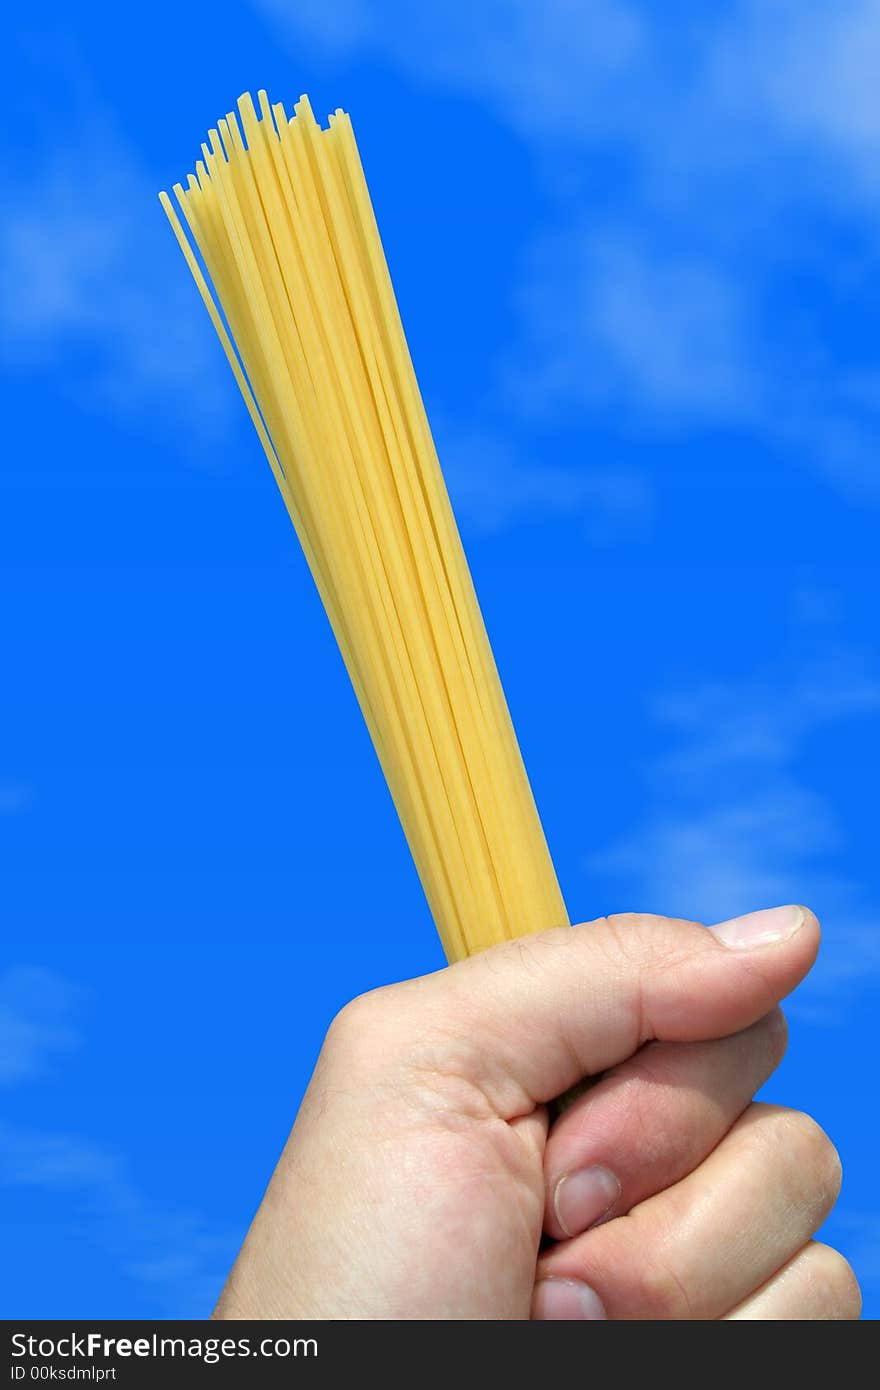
{"points": [[534, 951], [618, 942], [838, 1284], [776, 1025], [641, 926], [648, 949], [816, 1145], [639, 921], [660, 1293], [813, 1154], [643, 939], [360, 1017], [659, 1289]]}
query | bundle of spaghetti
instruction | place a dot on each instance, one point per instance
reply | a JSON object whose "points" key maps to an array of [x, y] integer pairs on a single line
{"points": [[282, 222]]}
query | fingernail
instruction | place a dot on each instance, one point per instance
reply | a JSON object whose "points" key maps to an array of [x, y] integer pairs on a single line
{"points": [[569, 1299], [582, 1197], [759, 928]]}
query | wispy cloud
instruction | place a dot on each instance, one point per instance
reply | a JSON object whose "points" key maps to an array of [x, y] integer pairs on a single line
{"points": [[90, 278], [15, 797], [37, 1022], [610, 321], [178, 1256], [656, 297], [731, 823], [814, 67], [533, 62], [733, 133], [687, 100], [493, 483], [95, 283], [340, 28]]}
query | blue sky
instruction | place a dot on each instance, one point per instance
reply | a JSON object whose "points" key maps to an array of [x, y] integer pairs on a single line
{"points": [[636, 248]]}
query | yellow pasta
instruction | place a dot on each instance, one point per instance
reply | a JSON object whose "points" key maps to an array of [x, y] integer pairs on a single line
{"points": [[280, 214]]}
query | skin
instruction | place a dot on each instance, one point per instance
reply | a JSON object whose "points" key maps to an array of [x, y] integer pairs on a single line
{"points": [[423, 1168]]}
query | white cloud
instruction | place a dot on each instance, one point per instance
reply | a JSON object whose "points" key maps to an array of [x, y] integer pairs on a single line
{"points": [[609, 320], [14, 797], [493, 485], [655, 302], [340, 28], [532, 62], [731, 825], [814, 68], [90, 277], [37, 1022], [731, 134], [733, 89], [175, 1254], [723, 859], [614, 323], [759, 722]]}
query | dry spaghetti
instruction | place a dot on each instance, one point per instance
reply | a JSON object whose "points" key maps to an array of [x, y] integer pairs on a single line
{"points": [[280, 214]]}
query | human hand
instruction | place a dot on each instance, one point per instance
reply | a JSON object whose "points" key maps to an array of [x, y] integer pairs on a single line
{"points": [[420, 1172]]}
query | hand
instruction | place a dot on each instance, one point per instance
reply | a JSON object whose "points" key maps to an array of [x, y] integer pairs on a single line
{"points": [[420, 1172]]}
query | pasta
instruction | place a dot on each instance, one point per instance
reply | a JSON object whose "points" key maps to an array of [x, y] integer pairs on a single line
{"points": [[298, 289]]}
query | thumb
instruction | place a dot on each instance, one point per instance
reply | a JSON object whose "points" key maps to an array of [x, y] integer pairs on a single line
{"points": [[538, 1014]]}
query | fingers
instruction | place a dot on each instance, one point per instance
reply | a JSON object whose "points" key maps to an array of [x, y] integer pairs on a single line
{"points": [[651, 1121], [817, 1284], [536, 1015], [700, 1248]]}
